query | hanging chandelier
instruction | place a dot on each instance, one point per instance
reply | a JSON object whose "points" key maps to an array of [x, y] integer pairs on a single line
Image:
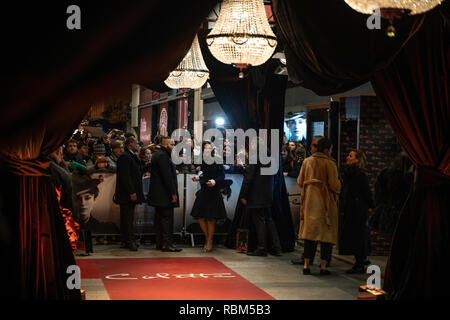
{"points": [[410, 6], [242, 35], [192, 72], [391, 9]]}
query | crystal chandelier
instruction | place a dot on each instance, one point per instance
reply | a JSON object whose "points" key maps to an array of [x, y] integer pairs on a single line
{"points": [[192, 72], [242, 35], [391, 9], [410, 6]]}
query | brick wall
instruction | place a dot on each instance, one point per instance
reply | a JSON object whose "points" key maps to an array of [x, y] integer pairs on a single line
{"points": [[145, 96], [377, 139], [378, 142]]}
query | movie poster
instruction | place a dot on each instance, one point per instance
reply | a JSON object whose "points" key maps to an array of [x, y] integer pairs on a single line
{"points": [[163, 119], [96, 210], [98, 213], [145, 126]]}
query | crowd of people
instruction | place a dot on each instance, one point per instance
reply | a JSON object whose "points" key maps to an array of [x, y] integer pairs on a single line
{"points": [[121, 153], [337, 207]]}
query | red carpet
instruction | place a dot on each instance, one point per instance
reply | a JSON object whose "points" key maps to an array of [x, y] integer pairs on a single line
{"points": [[170, 279]]}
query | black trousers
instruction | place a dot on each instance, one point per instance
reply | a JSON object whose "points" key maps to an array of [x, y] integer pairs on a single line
{"points": [[164, 226], [265, 228], [360, 257], [363, 249], [311, 247], [127, 222]]}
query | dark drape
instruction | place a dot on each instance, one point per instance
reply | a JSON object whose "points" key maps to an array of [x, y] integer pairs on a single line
{"points": [[50, 77], [410, 76], [414, 93], [328, 47], [256, 101]]}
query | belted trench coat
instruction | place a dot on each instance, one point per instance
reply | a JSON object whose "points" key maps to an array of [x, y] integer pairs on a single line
{"points": [[320, 185]]}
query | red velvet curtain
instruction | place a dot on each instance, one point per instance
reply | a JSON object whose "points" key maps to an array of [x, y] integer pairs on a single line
{"points": [[414, 93], [50, 78]]}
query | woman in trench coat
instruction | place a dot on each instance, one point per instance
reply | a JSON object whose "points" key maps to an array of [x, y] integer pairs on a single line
{"points": [[320, 186]]}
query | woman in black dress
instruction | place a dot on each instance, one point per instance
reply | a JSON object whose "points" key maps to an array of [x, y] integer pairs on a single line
{"points": [[208, 206], [355, 204]]}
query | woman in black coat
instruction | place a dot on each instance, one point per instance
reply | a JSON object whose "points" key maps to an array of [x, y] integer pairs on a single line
{"points": [[355, 203], [392, 188], [208, 206]]}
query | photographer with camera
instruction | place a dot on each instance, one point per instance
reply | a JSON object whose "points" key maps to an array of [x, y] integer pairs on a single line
{"points": [[99, 161]]}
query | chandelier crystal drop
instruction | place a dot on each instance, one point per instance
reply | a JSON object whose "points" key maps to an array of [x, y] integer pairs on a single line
{"points": [[192, 72], [242, 35], [410, 6]]}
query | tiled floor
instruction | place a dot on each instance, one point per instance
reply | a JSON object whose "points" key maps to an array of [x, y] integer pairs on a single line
{"points": [[275, 275]]}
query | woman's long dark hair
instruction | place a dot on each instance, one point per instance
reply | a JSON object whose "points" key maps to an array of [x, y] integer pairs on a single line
{"points": [[294, 155]]}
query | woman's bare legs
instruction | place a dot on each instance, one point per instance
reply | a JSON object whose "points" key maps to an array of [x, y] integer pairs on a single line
{"points": [[211, 225], [204, 227]]}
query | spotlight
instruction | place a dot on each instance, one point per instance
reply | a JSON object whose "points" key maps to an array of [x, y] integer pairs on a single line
{"points": [[220, 121]]}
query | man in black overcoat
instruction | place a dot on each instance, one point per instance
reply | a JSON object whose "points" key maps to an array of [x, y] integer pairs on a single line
{"points": [[163, 194], [257, 196], [129, 191]]}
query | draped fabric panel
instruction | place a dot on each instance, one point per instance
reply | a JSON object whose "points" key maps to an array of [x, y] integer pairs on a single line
{"points": [[43, 240], [51, 76], [256, 101], [331, 50], [414, 93]]}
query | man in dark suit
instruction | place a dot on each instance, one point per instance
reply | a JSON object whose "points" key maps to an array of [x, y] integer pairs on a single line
{"points": [[163, 194], [257, 195], [129, 191]]}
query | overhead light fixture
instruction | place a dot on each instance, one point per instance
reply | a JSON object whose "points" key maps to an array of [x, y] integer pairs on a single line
{"points": [[192, 72], [391, 9], [220, 121], [411, 6], [242, 35]]}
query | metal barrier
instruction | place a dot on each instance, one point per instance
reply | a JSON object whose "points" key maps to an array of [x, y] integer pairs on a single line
{"points": [[106, 212], [145, 214], [294, 191]]}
